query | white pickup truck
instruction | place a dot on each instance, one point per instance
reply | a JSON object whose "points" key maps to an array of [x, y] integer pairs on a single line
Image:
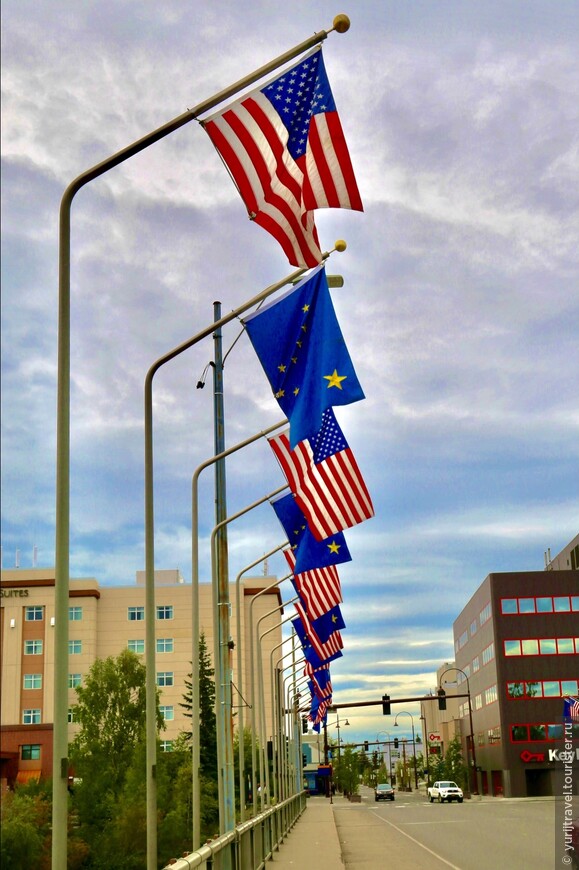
{"points": [[444, 790]]}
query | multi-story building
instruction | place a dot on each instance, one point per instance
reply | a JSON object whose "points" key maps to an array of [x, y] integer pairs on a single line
{"points": [[517, 654], [103, 620]]}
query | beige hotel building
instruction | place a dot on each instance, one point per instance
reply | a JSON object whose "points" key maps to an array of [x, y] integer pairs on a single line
{"points": [[103, 620]]}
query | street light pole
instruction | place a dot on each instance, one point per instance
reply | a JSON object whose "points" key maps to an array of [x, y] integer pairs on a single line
{"points": [[423, 719]]}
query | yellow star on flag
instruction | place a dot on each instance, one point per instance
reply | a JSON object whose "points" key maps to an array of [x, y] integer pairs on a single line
{"points": [[335, 380], [334, 548]]}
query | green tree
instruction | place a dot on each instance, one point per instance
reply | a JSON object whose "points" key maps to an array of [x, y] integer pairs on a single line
{"points": [[111, 712], [207, 725], [347, 777], [108, 757], [25, 821], [454, 767]]}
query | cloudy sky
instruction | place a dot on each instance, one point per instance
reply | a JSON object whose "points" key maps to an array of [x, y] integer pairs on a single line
{"points": [[459, 305]]}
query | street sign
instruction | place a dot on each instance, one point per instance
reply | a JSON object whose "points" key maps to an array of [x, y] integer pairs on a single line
{"points": [[434, 737]]}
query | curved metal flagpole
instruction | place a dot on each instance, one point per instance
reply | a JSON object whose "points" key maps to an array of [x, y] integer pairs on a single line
{"points": [[62, 533]]}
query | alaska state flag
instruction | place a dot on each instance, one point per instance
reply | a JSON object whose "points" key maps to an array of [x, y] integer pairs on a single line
{"points": [[326, 625], [309, 553], [285, 150], [299, 343]]}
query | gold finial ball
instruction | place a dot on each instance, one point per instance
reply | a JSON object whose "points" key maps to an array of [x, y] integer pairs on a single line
{"points": [[340, 245], [341, 23]]}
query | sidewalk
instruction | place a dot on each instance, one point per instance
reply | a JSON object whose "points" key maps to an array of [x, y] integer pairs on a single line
{"points": [[313, 838]]}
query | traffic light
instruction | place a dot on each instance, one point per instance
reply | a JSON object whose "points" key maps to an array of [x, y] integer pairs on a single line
{"points": [[304, 725], [441, 699], [395, 743], [385, 705], [304, 759], [365, 746]]}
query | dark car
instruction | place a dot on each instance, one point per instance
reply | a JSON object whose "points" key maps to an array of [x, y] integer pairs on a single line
{"points": [[384, 792]]}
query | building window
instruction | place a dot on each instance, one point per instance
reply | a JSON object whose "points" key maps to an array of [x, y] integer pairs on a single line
{"points": [[30, 752], [34, 613], [463, 639], [74, 647], [164, 611], [32, 647], [548, 646], [569, 687], [74, 680], [519, 733], [565, 646], [165, 678], [475, 664], [478, 702], [490, 695], [135, 614], [166, 746], [167, 712], [32, 681], [136, 646], [480, 738], [530, 647], [488, 654], [31, 717], [543, 604], [473, 627], [485, 614], [542, 689], [75, 613], [494, 734], [164, 644], [71, 715]]}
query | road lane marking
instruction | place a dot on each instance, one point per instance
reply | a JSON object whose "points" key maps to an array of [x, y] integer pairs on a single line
{"points": [[416, 842]]}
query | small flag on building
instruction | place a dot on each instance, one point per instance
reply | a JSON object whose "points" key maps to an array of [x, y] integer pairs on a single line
{"points": [[571, 709]]}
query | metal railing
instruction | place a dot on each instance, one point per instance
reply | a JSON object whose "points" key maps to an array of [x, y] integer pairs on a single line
{"points": [[251, 844]]}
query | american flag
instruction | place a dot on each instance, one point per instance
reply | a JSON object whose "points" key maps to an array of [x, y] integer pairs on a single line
{"points": [[319, 589], [325, 479], [285, 149], [571, 709]]}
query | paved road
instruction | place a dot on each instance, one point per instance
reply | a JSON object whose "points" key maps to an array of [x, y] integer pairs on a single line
{"points": [[475, 835]]}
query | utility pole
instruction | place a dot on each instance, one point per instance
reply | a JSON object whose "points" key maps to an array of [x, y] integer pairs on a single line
{"points": [[222, 644]]}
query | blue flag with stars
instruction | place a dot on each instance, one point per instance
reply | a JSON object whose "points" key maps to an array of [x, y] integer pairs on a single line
{"points": [[310, 654], [309, 553], [326, 625], [299, 343]]}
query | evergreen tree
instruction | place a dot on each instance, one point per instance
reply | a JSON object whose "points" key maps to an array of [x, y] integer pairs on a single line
{"points": [[207, 724]]}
